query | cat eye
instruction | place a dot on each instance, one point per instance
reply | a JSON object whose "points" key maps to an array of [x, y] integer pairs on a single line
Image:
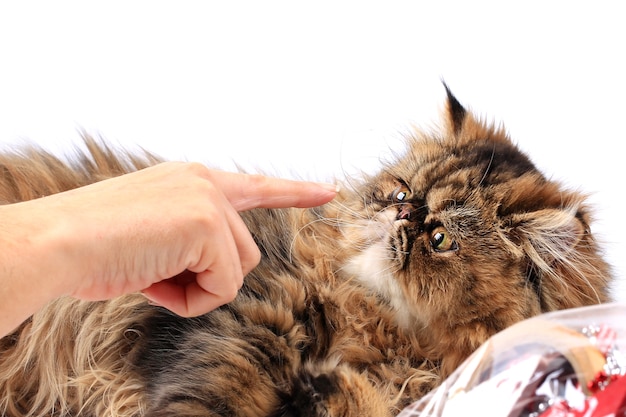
{"points": [[441, 240], [400, 194]]}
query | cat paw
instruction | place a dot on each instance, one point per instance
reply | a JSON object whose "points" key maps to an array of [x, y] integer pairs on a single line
{"points": [[338, 392]]}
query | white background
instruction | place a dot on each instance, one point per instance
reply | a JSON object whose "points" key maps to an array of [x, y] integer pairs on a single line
{"points": [[319, 89]]}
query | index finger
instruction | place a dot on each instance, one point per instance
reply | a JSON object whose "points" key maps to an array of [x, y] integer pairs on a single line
{"points": [[245, 192]]}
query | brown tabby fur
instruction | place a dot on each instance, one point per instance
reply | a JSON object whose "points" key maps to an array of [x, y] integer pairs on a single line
{"points": [[357, 307]]}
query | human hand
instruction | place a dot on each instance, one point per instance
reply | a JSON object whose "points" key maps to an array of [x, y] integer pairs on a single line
{"points": [[172, 231], [229, 252]]}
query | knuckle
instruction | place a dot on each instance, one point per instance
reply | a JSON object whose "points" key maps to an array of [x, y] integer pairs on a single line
{"points": [[257, 186], [231, 292], [257, 180], [197, 168], [252, 259]]}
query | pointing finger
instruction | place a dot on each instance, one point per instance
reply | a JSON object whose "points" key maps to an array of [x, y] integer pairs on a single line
{"points": [[245, 192]]}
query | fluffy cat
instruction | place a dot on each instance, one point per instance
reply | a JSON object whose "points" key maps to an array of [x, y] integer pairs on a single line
{"points": [[357, 308]]}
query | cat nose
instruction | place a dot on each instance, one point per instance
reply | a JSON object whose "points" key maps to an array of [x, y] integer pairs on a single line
{"points": [[405, 212]]}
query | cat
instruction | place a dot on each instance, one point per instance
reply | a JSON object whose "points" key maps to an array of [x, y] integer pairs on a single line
{"points": [[357, 308]]}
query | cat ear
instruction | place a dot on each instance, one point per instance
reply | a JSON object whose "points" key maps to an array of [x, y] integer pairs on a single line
{"points": [[548, 236], [464, 127], [455, 112]]}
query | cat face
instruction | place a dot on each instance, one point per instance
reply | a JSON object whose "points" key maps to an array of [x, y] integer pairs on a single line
{"points": [[463, 235]]}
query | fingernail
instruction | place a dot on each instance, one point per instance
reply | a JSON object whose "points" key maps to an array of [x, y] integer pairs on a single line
{"points": [[330, 187]]}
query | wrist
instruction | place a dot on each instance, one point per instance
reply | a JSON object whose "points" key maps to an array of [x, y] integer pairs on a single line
{"points": [[31, 264]]}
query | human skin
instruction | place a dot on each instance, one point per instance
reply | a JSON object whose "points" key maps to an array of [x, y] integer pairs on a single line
{"points": [[171, 231]]}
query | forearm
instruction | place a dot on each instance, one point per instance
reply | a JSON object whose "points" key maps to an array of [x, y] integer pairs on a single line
{"points": [[139, 232], [29, 271]]}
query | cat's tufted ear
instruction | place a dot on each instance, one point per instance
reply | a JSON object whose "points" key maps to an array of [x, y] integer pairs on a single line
{"points": [[463, 126], [455, 113], [548, 236]]}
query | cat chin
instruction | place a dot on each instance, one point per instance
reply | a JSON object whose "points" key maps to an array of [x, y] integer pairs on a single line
{"points": [[373, 269]]}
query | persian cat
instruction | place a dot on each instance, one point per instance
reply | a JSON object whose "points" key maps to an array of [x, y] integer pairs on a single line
{"points": [[357, 308]]}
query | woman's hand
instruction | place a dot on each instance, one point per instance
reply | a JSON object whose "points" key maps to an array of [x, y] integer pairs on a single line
{"points": [[171, 231]]}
